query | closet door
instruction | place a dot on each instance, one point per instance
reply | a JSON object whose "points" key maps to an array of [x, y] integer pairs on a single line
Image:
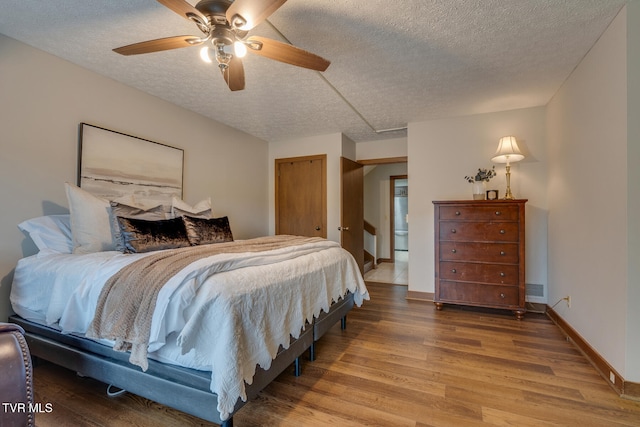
{"points": [[301, 196]]}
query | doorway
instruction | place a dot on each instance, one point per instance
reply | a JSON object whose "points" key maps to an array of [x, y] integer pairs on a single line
{"points": [[399, 216], [381, 178]]}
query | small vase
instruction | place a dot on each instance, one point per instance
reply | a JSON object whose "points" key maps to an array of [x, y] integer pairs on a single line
{"points": [[479, 190]]}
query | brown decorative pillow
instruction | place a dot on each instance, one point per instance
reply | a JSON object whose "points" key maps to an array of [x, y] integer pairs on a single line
{"points": [[140, 235], [201, 231]]}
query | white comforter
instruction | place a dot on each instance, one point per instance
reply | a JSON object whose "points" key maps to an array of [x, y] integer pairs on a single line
{"points": [[227, 322]]}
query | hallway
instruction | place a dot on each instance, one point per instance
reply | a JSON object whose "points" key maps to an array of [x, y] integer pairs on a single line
{"points": [[396, 273]]}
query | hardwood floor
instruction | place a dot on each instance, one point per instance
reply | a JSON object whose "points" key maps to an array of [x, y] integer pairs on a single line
{"points": [[398, 363]]}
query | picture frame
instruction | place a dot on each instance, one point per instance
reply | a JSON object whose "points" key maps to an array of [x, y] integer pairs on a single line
{"points": [[112, 165], [492, 194]]}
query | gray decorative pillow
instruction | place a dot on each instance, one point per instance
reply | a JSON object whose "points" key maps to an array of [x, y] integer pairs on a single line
{"points": [[202, 209], [124, 210], [140, 235], [202, 231]]}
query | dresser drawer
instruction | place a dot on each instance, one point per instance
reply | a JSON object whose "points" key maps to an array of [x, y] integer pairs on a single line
{"points": [[478, 294], [478, 272], [479, 251], [480, 213], [479, 231]]}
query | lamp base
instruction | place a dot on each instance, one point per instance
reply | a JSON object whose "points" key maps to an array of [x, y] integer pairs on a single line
{"points": [[508, 195]]}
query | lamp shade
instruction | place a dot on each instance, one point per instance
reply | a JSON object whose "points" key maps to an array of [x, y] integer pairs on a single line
{"points": [[508, 151]]}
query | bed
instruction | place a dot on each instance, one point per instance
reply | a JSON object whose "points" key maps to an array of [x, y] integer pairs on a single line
{"points": [[230, 318]]}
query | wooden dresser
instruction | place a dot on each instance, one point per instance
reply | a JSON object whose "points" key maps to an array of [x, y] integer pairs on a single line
{"points": [[479, 254]]}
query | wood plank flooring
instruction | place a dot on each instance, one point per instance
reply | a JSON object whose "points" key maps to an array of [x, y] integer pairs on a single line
{"points": [[398, 363]]}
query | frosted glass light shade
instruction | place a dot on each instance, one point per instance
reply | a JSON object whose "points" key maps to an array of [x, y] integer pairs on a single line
{"points": [[239, 49], [204, 55], [508, 151]]}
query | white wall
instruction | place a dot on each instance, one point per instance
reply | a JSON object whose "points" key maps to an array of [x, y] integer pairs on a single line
{"points": [[334, 146], [442, 152], [632, 364], [592, 191], [383, 149], [45, 98]]}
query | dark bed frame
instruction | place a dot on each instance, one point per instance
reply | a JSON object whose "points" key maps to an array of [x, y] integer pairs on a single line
{"points": [[181, 388]]}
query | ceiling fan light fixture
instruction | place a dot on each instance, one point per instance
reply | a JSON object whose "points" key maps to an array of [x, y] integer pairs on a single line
{"points": [[205, 56], [240, 49], [224, 54]]}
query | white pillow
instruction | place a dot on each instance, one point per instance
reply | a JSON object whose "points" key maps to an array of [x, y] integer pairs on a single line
{"points": [[90, 221], [202, 209], [50, 232]]}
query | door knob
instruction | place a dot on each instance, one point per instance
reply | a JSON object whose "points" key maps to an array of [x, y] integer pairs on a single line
{"points": [[317, 228]]}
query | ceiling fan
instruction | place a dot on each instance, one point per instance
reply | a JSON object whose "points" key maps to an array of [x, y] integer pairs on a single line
{"points": [[226, 24]]}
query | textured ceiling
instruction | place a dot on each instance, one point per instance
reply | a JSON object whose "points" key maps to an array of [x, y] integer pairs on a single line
{"points": [[391, 62]]}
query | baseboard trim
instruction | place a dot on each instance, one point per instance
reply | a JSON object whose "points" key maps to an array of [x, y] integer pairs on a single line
{"points": [[420, 296], [536, 307], [625, 389]]}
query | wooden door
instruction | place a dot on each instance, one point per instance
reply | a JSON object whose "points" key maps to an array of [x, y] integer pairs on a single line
{"points": [[301, 196], [352, 209]]}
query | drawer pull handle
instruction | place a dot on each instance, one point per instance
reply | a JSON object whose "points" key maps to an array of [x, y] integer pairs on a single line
{"points": [[453, 231], [502, 296], [502, 231], [502, 253], [498, 213], [502, 274], [453, 251], [458, 213], [453, 270]]}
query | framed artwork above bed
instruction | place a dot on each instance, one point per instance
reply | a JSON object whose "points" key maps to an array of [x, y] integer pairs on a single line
{"points": [[113, 164]]}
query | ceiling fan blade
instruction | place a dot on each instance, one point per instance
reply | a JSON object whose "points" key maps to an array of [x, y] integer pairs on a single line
{"points": [[184, 9], [234, 74], [286, 53], [157, 45], [246, 14]]}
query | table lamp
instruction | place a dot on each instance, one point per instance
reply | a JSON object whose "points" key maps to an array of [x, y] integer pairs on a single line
{"points": [[507, 152]]}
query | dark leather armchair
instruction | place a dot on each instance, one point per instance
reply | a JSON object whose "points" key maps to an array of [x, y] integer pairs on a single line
{"points": [[16, 378]]}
